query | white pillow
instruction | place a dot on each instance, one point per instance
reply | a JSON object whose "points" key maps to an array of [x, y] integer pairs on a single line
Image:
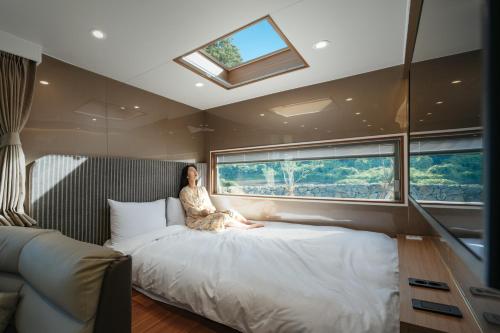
{"points": [[175, 212], [130, 219]]}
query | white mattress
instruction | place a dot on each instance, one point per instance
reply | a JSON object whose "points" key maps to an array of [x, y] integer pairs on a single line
{"points": [[281, 278]]}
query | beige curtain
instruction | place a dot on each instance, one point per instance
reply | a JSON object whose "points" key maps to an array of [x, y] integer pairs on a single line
{"points": [[17, 78]]}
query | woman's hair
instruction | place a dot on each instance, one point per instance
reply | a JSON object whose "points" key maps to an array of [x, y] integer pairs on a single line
{"points": [[184, 181]]}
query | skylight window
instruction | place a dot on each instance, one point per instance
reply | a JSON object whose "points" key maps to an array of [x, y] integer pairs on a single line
{"points": [[254, 52], [253, 42]]}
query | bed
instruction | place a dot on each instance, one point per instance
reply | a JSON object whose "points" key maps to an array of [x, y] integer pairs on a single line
{"points": [[281, 278]]}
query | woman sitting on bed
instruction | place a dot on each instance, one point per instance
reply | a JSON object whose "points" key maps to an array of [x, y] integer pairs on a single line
{"points": [[201, 213]]}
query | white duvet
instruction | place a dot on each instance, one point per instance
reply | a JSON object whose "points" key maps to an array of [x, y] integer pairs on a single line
{"points": [[281, 278]]}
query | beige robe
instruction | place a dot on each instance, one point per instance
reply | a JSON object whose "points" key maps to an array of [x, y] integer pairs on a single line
{"points": [[194, 202]]}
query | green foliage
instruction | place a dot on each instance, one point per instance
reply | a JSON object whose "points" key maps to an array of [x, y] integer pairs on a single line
{"points": [[227, 183], [456, 169], [453, 169], [225, 52]]}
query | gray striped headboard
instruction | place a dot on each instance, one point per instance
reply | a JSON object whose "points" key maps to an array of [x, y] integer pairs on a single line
{"points": [[69, 193]]}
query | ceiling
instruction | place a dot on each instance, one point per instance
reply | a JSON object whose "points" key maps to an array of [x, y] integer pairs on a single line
{"points": [[144, 36], [448, 27]]}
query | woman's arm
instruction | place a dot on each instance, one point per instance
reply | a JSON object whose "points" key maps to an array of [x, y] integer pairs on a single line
{"points": [[207, 201]]}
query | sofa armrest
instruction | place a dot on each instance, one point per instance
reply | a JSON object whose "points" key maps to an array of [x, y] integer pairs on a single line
{"points": [[114, 312]]}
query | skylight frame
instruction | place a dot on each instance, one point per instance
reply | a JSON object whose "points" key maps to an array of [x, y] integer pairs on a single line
{"points": [[223, 79]]}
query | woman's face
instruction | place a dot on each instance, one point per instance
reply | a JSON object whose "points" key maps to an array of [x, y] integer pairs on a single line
{"points": [[192, 173]]}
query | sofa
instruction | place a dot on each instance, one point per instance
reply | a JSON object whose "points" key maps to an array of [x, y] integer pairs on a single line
{"points": [[64, 285]]}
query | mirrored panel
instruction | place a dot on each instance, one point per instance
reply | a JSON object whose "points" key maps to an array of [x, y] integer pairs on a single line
{"points": [[446, 133]]}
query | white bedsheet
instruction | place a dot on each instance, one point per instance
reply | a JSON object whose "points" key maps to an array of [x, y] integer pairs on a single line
{"points": [[281, 278]]}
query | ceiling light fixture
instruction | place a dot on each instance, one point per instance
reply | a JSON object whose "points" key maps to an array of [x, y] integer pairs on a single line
{"points": [[136, 107], [94, 119], [299, 109], [321, 44], [348, 99], [421, 120], [439, 102], [302, 125], [456, 81], [357, 113], [199, 84], [122, 107], [429, 113], [262, 115], [98, 34], [364, 120], [285, 122], [45, 83]]}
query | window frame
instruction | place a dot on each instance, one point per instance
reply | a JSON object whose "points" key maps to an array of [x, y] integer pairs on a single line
{"points": [[399, 139], [288, 54], [444, 134]]}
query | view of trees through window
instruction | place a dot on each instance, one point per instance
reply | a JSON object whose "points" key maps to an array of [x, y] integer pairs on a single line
{"points": [[449, 177], [357, 178], [225, 52]]}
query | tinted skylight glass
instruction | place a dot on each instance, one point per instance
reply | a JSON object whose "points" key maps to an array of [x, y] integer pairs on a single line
{"points": [[197, 60], [250, 43]]}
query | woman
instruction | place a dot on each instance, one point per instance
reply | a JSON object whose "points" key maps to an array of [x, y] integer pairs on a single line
{"points": [[201, 213]]}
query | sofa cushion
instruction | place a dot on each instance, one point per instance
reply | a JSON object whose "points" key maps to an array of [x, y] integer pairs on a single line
{"points": [[12, 241], [72, 272], [10, 282], [8, 303], [36, 314]]}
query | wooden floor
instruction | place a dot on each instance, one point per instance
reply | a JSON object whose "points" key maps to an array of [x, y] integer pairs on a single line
{"points": [[152, 316]]}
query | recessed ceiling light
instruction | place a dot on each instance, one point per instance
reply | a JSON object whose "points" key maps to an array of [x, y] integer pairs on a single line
{"points": [[285, 122], [429, 113], [364, 120], [44, 82], [421, 120], [137, 107], [302, 125], [357, 113], [456, 81], [316, 128], [369, 125], [321, 44], [262, 115], [94, 119], [348, 99], [199, 84], [98, 34], [439, 102]]}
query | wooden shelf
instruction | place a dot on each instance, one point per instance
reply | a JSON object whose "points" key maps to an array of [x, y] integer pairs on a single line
{"points": [[420, 259]]}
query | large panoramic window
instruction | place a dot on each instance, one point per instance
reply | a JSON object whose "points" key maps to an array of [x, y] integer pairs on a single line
{"points": [[344, 171], [447, 169]]}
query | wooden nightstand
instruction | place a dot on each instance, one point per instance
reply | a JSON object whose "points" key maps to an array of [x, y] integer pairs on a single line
{"points": [[421, 259]]}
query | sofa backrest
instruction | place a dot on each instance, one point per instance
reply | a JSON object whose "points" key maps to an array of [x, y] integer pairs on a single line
{"points": [[61, 278], [11, 245]]}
